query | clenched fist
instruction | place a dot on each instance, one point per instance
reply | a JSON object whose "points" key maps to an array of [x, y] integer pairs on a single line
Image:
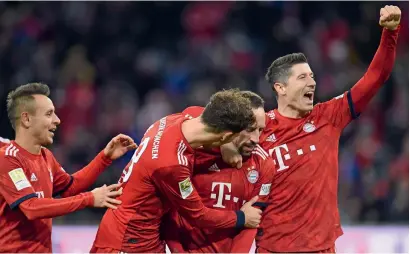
{"points": [[390, 17]]}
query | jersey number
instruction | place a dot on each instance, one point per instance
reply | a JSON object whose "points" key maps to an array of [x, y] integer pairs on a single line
{"points": [[137, 155]]}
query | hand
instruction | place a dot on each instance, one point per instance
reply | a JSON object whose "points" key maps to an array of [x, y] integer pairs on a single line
{"points": [[252, 215], [390, 17], [231, 155], [105, 196], [118, 146]]}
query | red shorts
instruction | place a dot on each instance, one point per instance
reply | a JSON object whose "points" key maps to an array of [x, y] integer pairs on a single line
{"points": [[330, 250]]}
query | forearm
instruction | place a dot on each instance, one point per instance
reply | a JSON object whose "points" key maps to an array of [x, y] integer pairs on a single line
{"points": [[85, 177], [378, 72], [212, 218], [40, 208]]}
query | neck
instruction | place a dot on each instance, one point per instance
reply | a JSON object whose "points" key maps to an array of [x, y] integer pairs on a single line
{"points": [[195, 133], [285, 109], [27, 142]]}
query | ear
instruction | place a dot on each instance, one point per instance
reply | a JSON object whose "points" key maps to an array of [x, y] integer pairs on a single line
{"points": [[25, 119], [227, 137], [280, 88]]}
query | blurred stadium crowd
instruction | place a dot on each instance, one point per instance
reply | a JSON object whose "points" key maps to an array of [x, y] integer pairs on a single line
{"points": [[119, 66]]}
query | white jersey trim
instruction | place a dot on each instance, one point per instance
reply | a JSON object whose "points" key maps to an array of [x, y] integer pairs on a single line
{"points": [[11, 150], [180, 154]]}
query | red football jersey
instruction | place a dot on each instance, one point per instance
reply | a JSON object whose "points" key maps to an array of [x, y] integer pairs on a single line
{"points": [[221, 187], [23, 176], [156, 178], [303, 215], [4, 142]]}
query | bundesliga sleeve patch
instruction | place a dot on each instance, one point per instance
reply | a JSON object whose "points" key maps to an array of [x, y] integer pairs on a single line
{"points": [[185, 187], [19, 179], [265, 189]]}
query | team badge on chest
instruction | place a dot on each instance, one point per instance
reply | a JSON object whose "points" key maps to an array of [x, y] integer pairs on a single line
{"points": [[309, 127], [253, 176]]}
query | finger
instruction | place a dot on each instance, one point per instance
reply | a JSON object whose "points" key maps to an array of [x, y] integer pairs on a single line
{"points": [[383, 15], [114, 193], [253, 200], [239, 164], [397, 12], [114, 186], [123, 137], [109, 205], [113, 201], [132, 147]]}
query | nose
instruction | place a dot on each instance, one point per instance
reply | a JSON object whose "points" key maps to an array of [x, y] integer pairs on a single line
{"points": [[57, 120], [311, 83], [255, 137]]}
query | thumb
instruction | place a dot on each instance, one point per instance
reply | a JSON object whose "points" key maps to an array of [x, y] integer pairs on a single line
{"points": [[239, 164], [253, 200]]}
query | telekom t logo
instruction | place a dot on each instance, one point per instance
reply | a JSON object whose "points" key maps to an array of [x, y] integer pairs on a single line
{"points": [[221, 192], [278, 155], [282, 154]]}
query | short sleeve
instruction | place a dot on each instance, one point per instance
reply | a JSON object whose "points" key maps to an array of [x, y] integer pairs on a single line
{"points": [[267, 170], [14, 184]]}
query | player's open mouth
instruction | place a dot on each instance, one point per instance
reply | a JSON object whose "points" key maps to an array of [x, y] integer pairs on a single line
{"points": [[52, 131], [309, 95]]}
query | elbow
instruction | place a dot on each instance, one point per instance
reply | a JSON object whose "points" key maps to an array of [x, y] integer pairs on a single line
{"points": [[30, 215], [29, 210]]}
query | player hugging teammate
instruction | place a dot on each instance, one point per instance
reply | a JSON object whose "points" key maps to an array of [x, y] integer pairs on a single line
{"points": [[199, 179]]}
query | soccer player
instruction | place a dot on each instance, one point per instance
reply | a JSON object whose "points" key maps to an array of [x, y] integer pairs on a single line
{"points": [[158, 177], [30, 175], [225, 188], [4, 141], [303, 141]]}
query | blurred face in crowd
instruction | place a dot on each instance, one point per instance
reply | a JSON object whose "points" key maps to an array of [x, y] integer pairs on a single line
{"points": [[248, 139], [298, 92]]}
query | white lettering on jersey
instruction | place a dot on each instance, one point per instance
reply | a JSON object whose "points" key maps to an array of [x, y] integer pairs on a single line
{"points": [[40, 194], [157, 138], [137, 155], [185, 187], [221, 196], [19, 179]]}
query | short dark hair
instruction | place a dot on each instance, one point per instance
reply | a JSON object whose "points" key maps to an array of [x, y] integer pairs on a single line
{"points": [[280, 69], [256, 100], [228, 110], [22, 99]]}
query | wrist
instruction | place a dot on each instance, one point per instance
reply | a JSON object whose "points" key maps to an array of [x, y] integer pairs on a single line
{"points": [[105, 159]]}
